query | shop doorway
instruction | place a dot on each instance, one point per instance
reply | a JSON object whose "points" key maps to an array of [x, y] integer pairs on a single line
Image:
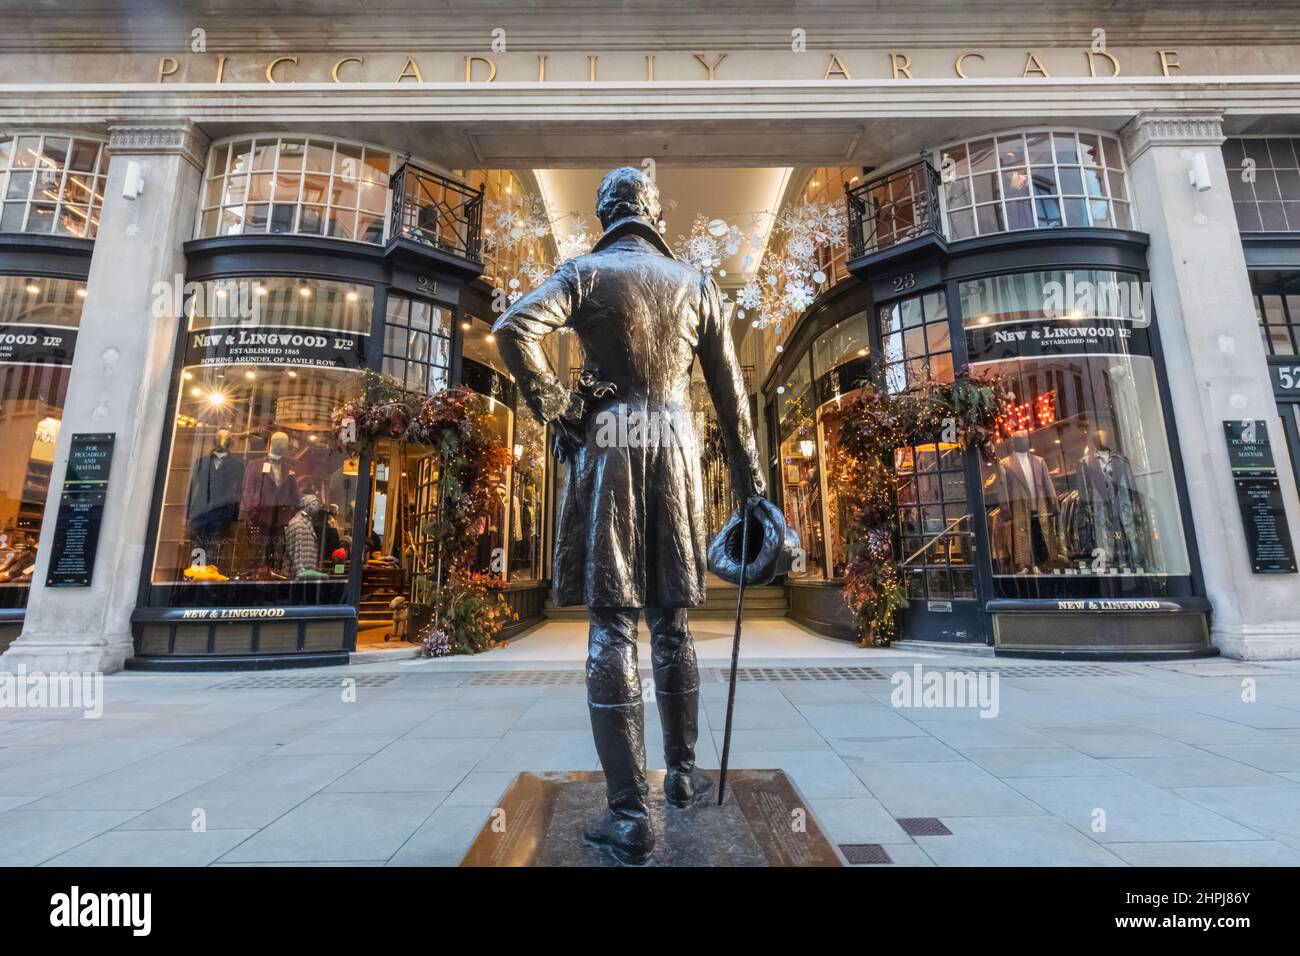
{"points": [[936, 541], [392, 568]]}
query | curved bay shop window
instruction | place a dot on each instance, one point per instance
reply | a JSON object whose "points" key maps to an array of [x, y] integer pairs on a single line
{"points": [[483, 371], [258, 504], [1083, 498], [38, 333], [800, 476], [840, 357]]}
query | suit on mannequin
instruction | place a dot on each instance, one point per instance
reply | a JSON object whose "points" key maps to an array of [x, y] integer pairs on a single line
{"points": [[1109, 490], [1023, 489], [212, 505], [269, 499]]}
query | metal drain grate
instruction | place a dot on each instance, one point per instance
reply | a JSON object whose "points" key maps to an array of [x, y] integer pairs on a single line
{"points": [[923, 826], [303, 681], [804, 673], [1056, 670], [524, 678], [859, 853]]}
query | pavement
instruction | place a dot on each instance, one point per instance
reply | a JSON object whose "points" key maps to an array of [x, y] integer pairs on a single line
{"points": [[400, 761]]}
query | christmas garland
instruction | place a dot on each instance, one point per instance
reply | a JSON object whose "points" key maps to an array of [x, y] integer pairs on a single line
{"points": [[873, 424], [466, 616]]}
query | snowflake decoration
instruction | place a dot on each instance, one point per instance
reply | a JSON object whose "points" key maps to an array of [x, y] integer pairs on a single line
{"points": [[798, 295], [750, 297]]}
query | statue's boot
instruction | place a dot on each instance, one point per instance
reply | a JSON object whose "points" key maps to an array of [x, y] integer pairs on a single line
{"points": [[624, 826], [685, 785], [677, 692]]}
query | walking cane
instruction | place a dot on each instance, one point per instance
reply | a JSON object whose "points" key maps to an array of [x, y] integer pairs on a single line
{"points": [[735, 650]]}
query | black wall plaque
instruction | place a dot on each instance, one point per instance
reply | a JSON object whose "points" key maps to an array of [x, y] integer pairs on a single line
{"points": [[1249, 452], [1259, 497], [1264, 517], [81, 511]]}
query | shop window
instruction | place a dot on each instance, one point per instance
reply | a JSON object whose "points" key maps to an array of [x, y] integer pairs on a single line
{"points": [[295, 184], [847, 341], [1264, 178], [38, 333], [527, 494], [500, 552], [51, 184], [800, 475], [480, 345], [495, 531], [839, 361], [256, 491], [417, 343], [1036, 179], [1279, 323], [1083, 485]]}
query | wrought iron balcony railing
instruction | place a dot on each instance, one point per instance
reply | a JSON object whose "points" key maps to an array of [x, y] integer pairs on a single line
{"points": [[437, 211], [893, 208]]}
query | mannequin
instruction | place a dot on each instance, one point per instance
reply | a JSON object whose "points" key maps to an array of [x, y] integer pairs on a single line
{"points": [[269, 499], [1022, 488], [1108, 489], [302, 551], [212, 505]]}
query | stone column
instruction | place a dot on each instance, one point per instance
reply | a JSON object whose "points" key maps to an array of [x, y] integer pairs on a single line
{"points": [[121, 375], [1217, 369]]}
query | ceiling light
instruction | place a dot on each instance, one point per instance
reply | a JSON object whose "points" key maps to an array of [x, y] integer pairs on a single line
{"points": [[34, 289], [81, 293]]}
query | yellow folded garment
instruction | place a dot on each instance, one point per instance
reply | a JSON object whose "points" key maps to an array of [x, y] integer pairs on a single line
{"points": [[204, 572]]}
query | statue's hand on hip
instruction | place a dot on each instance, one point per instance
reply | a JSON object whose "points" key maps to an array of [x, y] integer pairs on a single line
{"points": [[569, 430]]}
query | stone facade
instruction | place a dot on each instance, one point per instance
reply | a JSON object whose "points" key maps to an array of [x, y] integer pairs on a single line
{"points": [[1230, 77]]}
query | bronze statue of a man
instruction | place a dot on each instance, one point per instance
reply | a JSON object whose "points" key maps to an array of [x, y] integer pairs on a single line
{"points": [[631, 530]]}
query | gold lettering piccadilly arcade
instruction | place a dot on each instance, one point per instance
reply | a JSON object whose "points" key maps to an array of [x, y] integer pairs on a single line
{"points": [[479, 68]]}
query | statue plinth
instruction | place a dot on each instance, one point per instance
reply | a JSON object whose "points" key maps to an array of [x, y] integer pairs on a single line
{"points": [[764, 821]]}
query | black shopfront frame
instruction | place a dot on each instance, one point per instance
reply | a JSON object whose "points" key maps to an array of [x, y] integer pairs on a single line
{"points": [[929, 264], [48, 257], [403, 267]]}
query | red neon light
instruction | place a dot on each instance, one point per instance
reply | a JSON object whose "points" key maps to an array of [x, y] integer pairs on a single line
{"points": [[1026, 416]]}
